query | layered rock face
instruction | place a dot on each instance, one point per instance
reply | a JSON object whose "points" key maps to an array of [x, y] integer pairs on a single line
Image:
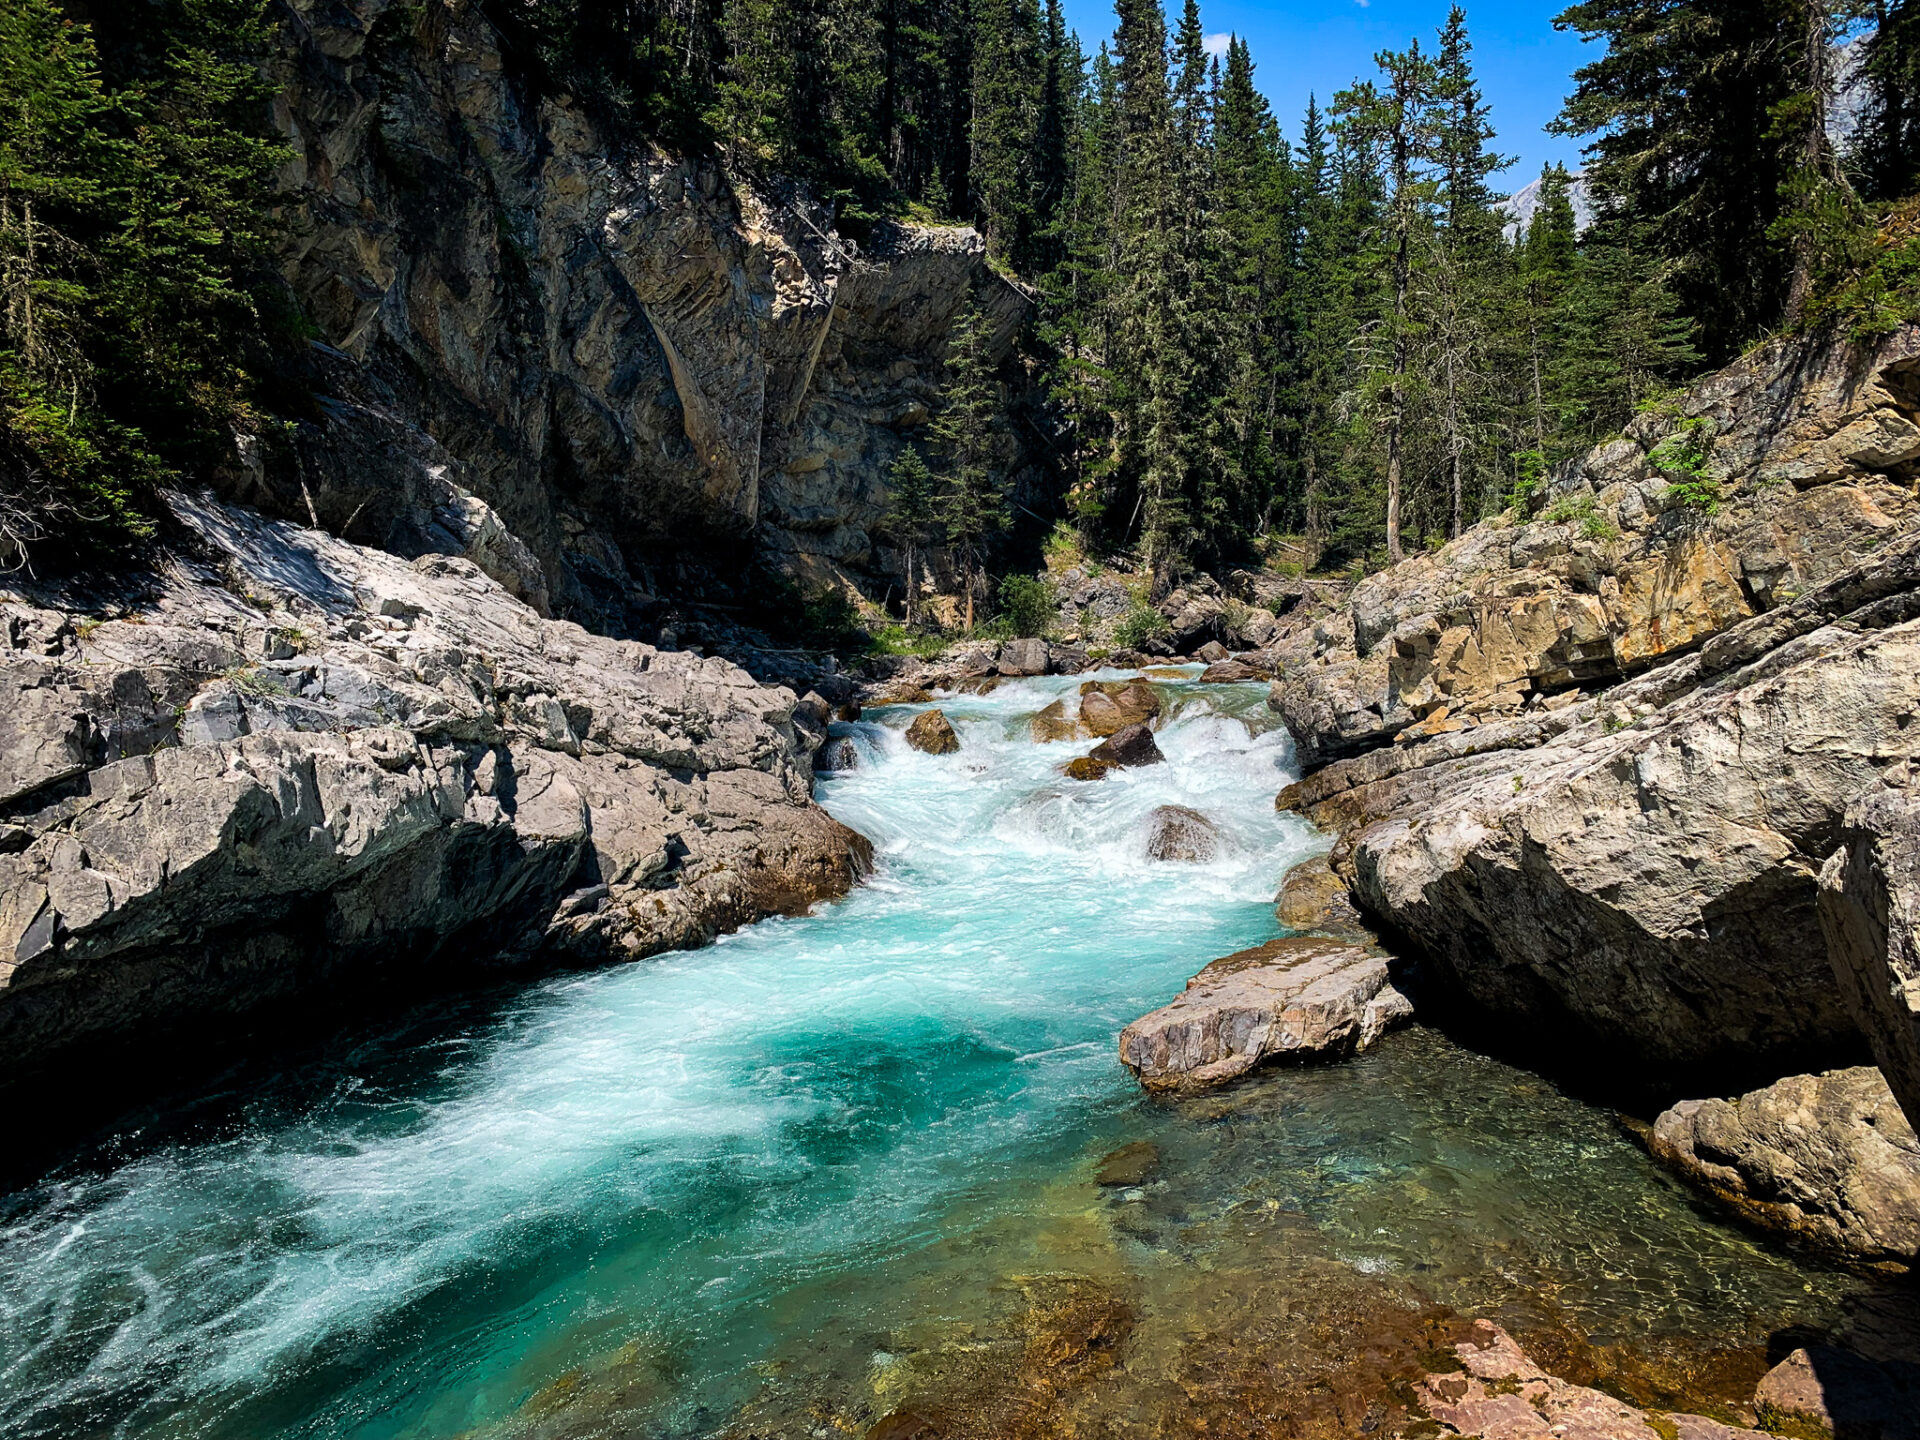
{"points": [[1631, 870], [604, 347], [290, 766]]}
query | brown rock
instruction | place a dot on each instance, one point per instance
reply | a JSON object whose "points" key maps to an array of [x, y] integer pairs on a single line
{"points": [[932, 733], [1087, 768], [1827, 1157], [1181, 834], [1023, 658], [904, 695], [1229, 672], [1132, 747], [1107, 707], [1294, 998], [1211, 653], [1313, 898], [1053, 723]]}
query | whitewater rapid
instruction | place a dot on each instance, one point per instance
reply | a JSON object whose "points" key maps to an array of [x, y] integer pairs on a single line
{"points": [[409, 1233]]}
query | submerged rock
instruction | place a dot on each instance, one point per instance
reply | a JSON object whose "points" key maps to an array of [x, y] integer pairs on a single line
{"points": [[1828, 1157], [1869, 911], [1053, 723], [1296, 998], [932, 733], [1499, 1391], [1131, 1164], [1177, 833], [1132, 748]]}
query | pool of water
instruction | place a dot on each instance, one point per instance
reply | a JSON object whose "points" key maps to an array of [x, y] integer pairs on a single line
{"points": [[844, 1164]]}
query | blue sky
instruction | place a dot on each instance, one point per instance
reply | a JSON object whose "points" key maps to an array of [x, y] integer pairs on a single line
{"points": [[1319, 46]]}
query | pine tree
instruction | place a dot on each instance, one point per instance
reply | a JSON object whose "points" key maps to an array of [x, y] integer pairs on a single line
{"points": [[1399, 118], [972, 507], [1887, 156], [910, 517], [1007, 88]]}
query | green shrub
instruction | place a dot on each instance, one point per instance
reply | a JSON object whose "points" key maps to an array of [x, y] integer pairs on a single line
{"points": [[1682, 457], [1140, 625], [1027, 605]]}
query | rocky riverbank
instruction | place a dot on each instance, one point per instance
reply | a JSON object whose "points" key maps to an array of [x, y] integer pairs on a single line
{"points": [[282, 770]]}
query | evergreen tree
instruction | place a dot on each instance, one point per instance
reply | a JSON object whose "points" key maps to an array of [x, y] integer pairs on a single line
{"points": [[910, 517], [1887, 155], [972, 507], [1007, 94]]}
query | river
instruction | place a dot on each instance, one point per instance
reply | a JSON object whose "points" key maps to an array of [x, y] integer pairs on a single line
{"points": [[835, 1165]]}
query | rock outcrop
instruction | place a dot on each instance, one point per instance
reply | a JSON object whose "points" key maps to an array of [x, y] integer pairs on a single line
{"points": [[287, 766], [1848, 1396], [1830, 1158], [1629, 868], [1869, 909], [607, 346], [1808, 453], [1296, 998], [1175, 832]]}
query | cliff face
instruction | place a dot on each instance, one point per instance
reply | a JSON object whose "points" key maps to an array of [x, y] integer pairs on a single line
{"points": [[616, 352], [1592, 763]]}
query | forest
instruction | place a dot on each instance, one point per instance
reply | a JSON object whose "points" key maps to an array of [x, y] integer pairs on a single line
{"points": [[1248, 328]]}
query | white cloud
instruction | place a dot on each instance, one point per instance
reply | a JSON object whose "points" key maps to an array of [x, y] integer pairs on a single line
{"points": [[1217, 44]]}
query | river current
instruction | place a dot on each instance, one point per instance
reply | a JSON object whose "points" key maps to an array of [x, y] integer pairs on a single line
{"points": [[839, 1166]]}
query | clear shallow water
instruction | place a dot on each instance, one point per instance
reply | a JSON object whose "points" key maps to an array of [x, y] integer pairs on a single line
{"points": [[635, 1201]]}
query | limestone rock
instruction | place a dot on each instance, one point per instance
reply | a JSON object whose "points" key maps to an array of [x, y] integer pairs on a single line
{"points": [[1292, 998], [1023, 657], [1845, 1394], [1107, 707], [1828, 1157], [837, 756], [932, 734], [1175, 832], [1132, 748], [294, 765], [1632, 878], [1869, 908]]}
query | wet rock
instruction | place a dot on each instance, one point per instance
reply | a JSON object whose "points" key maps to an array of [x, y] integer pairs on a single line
{"points": [[837, 756], [1212, 653], [1845, 1394], [932, 734], [1869, 911], [978, 684], [1292, 998], [398, 773], [1069, 659], [1023, 658], [1177, 833], [1827, 1157], [1500, 1393], [1313, 898], [1132, 1164], [1229, 672], [903, 694], [1086, 767], [1053, 723], [1132, 747], [1110, 706]]}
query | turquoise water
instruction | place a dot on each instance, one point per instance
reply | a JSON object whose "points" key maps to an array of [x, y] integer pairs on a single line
{"points": [[635, 1201]]}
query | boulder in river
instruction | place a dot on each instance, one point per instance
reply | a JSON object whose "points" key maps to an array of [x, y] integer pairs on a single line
{"points": [[1300, 997], [1132, 747], [1229, 672], [1177, 833], [1053, 723], [1828, 1157], [1313, 898], [1211, 653], [1085, 767], [1869, 908], [1108, 706], [932, 733], [1132, 1164]]}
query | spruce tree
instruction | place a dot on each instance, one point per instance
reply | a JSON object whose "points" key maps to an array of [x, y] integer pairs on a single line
{"points": [[1887, 155], [971, 507], [910, 517], [1007, 84]]}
